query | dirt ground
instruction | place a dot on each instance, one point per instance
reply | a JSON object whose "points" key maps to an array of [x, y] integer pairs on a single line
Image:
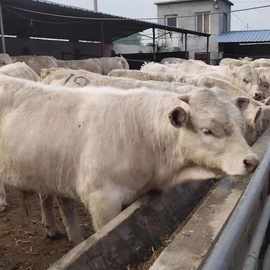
{"points": [[23, 245]]}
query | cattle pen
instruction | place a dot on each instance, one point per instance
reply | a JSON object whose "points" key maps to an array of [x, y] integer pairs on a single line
{"points": [[214, 227], [52, 68], [138, 234]]}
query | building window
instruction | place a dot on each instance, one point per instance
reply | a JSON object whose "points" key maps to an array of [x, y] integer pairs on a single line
{"points": [[203, 22], [171, 20]]}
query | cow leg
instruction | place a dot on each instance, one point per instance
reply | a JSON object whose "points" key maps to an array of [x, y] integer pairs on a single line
{"points": [[70, 219], [3, 201], [48, 218], [104, 206]]}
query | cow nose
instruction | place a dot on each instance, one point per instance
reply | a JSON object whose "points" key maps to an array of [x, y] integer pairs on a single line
{"points": [[251, 163], [258, 96]]}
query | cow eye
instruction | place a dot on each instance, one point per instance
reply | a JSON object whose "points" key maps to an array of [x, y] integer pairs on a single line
{"points": [[207, 132], [265, 85]]}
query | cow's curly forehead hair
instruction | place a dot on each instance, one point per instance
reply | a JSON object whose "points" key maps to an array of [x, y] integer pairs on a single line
{"points": [[208, 102], [247, 72], [209, 109]]}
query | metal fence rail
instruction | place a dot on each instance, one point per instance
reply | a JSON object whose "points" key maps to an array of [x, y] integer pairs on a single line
{"points": [[232, 246]]}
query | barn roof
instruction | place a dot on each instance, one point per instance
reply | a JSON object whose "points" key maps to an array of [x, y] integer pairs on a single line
{"points": [[50, 20], [166, 2], [244, 36]]}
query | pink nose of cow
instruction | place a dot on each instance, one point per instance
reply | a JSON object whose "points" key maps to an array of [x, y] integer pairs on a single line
{"points": [[251, 163]]}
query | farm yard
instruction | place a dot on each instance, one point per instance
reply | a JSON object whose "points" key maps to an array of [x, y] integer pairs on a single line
{"points": [[23, 237], [23, 240], [120, 154]]}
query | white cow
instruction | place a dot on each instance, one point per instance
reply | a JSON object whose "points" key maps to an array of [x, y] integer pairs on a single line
{"points": [[82, 78], [142, 76], [17, 70], [264, 76], [106, 147], [234, 62], [78, 78], [244, 77], [256, 113], [20, 70], [261, 62], [174, 60], [101, 65], [5, 59], [36, 62], [92, 65], [110, 63]]}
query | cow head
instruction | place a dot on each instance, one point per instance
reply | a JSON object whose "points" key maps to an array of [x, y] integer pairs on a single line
{"points": [[212, 131]]}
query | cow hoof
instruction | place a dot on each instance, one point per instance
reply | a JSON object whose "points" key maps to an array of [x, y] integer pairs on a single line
{"points": [[55, 235]]}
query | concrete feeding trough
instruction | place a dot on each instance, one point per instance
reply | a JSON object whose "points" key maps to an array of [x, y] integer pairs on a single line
{"points": [[130, 238], [219, 233]]}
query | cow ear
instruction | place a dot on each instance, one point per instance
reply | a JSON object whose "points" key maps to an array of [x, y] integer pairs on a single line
{"points": [[185, 98], [267, 101], [178, 117], [242, 103]]}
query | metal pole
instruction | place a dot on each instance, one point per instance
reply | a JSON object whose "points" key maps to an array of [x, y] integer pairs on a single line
{"points": [[207, 50], [96, 5], [252, 260], [2, 29], [102, 38], [230, 249], [154, 43], [186, 44]]}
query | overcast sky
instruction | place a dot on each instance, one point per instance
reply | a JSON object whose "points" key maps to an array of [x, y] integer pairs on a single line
{"points": [[257, 19]]}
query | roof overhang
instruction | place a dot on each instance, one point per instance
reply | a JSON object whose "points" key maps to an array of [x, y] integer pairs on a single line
{"points": [[30, 18], [168, 2], [252, 36]]}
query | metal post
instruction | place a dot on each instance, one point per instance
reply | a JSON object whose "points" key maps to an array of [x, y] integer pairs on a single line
{"points": [[154, 43], [207, 51], [2, 29], [102, 38], [96, 5], [186, 43]]}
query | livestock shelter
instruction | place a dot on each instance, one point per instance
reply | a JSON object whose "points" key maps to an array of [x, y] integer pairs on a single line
{"points": [[236, 44], [46, 28]]}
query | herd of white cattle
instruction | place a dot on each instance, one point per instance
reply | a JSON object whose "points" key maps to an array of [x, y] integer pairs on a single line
{"points": [[94, 131]]}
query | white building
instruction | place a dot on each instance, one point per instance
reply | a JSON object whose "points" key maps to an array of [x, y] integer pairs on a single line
{"points": [[210, 16]]}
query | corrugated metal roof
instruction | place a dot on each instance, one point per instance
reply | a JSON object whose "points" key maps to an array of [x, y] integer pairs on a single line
{"points": [[244, 36], [167, 2], [50, 20]]}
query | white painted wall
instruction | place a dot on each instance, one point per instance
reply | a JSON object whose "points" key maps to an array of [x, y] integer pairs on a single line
{"points": [[190, 8]]}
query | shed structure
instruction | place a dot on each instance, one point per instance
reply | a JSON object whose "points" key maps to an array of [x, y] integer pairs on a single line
{"points": [[253, 43], [75, 29]]}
